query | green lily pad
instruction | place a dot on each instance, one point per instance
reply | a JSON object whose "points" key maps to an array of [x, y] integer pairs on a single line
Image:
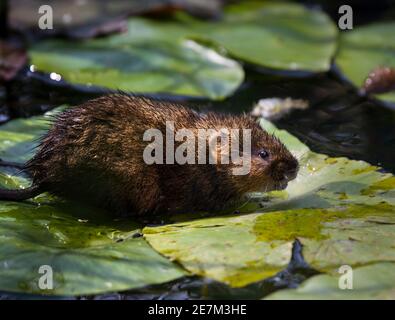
{"points": [[376, 281], [282, 36], [86, 257], [147, 63], [20, 137], [162, 56], [342, 211], [88, 251], [364, 49]]}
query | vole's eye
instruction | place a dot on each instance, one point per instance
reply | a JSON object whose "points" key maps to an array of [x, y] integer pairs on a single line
{"points": [[263, 154]]}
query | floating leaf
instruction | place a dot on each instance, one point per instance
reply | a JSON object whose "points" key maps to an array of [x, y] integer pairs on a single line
{"points": [[225, 249], [283, 36], [376, 281], [160, 56], [342, 211], [145, 60], [274, 35], [365, 49], [18, 138], [85, 256], [88, 251]]}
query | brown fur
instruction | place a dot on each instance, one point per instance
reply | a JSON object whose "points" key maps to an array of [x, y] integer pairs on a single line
{"points": [[94, 153]]}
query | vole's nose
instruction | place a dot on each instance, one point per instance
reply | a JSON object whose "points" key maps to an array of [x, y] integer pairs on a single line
{"points": [[286, 170]]}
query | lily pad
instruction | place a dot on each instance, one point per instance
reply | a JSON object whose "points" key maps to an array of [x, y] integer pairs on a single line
{"points": [[282, 36], [342, 211], [88, 251], [161, 56], [18, 138], [376, 281], [147, 63], [364, 49]]}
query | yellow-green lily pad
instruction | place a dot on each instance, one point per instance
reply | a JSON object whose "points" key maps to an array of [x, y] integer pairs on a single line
{"points": [[342, 211]]}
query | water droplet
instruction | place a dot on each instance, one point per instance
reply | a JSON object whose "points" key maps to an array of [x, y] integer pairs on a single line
{"points": [[55, 76]]}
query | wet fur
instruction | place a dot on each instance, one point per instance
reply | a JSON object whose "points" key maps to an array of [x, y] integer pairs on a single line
{"points": [[94, 153]]}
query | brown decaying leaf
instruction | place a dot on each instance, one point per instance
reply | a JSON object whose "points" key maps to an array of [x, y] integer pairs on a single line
{"points": [[12, 59], [380, 80]]}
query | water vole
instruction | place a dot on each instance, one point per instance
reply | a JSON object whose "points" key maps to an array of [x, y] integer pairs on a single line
{"points": [[94, 153]]}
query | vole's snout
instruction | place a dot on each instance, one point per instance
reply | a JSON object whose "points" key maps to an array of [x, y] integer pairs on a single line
{"points": [[285, 170]]}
